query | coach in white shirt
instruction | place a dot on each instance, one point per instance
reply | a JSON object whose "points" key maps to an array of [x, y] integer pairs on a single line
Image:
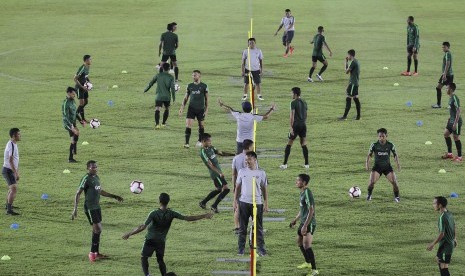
{"points": [[253, 65]]}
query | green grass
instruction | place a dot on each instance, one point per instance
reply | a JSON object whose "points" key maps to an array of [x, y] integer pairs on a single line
{"points": [[42, 46]]}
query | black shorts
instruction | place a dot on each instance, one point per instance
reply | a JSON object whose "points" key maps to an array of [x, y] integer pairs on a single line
{"points": [[9, 176], [410, 49], [165, 58], [287, 37], [457, 130], [321, 58], [299, 130], [163, 103], [352, 90], [151, 246], [382, 170], [219, 181], [255, 77], [443, 257], [81, 93], [310, 229], [193, 113], [94, 216], [449, 80]]}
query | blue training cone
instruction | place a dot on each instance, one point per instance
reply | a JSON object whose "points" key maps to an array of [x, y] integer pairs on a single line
{"points": [[454, 195], [409, 104], [44, 196], [419, 123], [14, 226], [110, 103]]}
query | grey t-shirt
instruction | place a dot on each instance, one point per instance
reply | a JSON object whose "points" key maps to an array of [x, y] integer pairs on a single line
{"points": [[256, 56], [245, 125], [245, 181]]}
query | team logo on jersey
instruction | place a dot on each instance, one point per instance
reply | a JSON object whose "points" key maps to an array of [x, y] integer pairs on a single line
{"points": [[98, 188], [196, 92], [383, 153]]}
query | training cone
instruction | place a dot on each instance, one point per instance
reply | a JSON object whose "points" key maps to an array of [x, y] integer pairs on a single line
{"points": [[409, 104], [419, 123], [124, 72], [110, 103], [5, 258], [114, 86], [14, 226], [396, 84], [44, 196], [428, 143], [442, 171], [85, 143], [66, 171], [385, 68], [454, 194]]}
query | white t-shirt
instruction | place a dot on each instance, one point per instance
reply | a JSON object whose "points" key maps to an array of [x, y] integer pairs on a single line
{"points": [[11, 149], [288, 22], [245, 125], [256, 56], [245, 181]]}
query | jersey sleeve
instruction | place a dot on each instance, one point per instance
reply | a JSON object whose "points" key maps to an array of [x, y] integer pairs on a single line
{"points": [[177, 215], [204, 156], [309, 201], [162, 37], [215, 150], [80, 71], [206, 88], [441, 225], [352, 66], [264, 182], [393, 149], [149, 218], [258, 118], [244, 55], [234, 161], [83, 185], [260, 55], [293, 104], [239, 178], [370, 150], [235, 114], [9, 149]]}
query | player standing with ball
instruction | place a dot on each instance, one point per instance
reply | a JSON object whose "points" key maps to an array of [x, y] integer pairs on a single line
{"points": [[81, 77]]}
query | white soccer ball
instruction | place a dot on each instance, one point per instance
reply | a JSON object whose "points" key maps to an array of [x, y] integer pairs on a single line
{"points": [[177, 87], [94, 123], [136, 186], [88, 85], [355, 192]]}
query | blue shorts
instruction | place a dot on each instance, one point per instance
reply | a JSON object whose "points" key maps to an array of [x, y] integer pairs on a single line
{"points": [[9, 176]]}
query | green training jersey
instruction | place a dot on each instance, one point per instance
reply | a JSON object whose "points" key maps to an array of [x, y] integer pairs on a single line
{"points": [[91, 186], [210, 154], [165, 84], [447, 58], [68, 110], [300, 111], [446, 225], [318, 42], [382, 153], [413, 35], [307, 201], [159, 222], [82, 75], [170, 43], [454, 104], [197, 94], [354, 68]]}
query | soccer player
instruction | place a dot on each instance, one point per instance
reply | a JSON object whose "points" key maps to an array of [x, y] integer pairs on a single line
{"points": [[90, 184], [298, 127], [10, 170], [81, 77], [413, 46], [352, 68], [447, 76], [318, 43], [68, 110], [307, 223], [287, 22], [208, 154], [454, 125], [198, 106], [159, 223], [243, 199], [245, 121], [382, 150], [169, 43], [165, 84], [254, 66], [446, 238]]}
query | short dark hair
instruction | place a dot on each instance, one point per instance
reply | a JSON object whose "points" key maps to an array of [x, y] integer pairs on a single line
{"points": [[452, 86], [411, 18], [351, 52], [251, 154], [296, 90], [196, 71], [164, 198], [169, 27], [305, 178], [382, 130], [70, 89], [287, 10], [446, 43], [166, 66], [252, 39], [320, 29], [13, 131], [441, 200], [206, 136], [247, 143], [246, 107], [90, 162], [86, 57]]}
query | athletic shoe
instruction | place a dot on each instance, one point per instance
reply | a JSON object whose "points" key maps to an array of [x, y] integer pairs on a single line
{"points": [[260, 98], [240, 252], [397, 199], [198, 144], [357, 118], [342, 118], [92, 257], [186, 146], [12, 213], [262, 252], [368, 197], [12, 207], [244, 97], [215, 210], [406, 73], [458, 159], [448, 156], [314, 273], [306, 166], [304, 265], [319, 77], [72, 161], [157, 126], [436, 106], [309, 79], [171, 71], [291, 49], [101, 256], [163, 125], [202, 205], [415, 74], [283, 166], [285, 55]]}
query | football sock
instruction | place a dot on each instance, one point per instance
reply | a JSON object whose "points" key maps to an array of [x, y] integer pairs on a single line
{"points": [[161, 264], [323, 69], [302, 249], [311, 72], [415, 61], [396, 193], [157, 117], [348, 104], [165, 115], [75, 138], [438, 95], [201, 132], [311, 256], [176, 73], [458, 144], [444, 271], [9, 207], [71, 147], [220, 197], [145, 265], [449, 144], [409, 63], [370, 190], [357, 106], [188, 134], [305, 152], [287, 152], [211, 195], [95, 242]]}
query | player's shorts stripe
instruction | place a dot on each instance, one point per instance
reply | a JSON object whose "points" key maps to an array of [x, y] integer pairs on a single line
{"points": [[90, 216], [352, 89], [219, 181]]}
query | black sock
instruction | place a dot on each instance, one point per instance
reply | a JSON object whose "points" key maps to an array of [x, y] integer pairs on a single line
{"points": [[357, 106], [348, 104], [71, 147], [449, 144], [176, 73], [438, 95], [145, 265], [9, 207], [165, 115], [188, 134], [220, 198], [305, 152], [95, 242], [302, 249], [211, 195], [415, 61], [287, 152], [396, 193], [458, 144], [409, 63], [444, 271], [201, 132], [323, 69], [370, 190], [311, 257], [157, 117], [311, 72], [76, 139]]}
